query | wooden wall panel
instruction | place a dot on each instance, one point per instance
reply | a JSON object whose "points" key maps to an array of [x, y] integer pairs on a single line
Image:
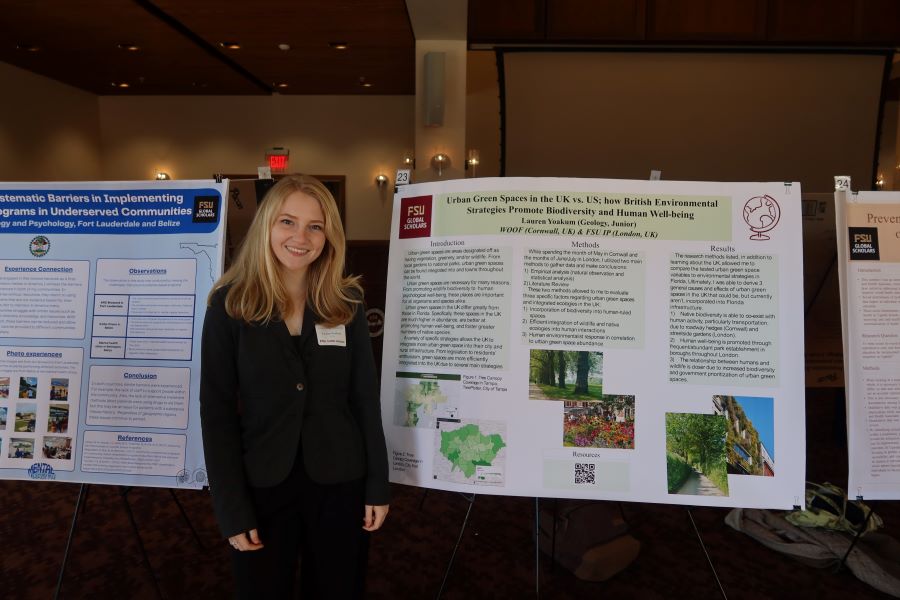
{"points": [[506, 20], [701, 20], [740, 22], [369, 259], [571, 20], [879, 21], [812, 21]]}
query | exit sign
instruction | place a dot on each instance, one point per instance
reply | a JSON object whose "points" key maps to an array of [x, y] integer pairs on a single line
{"points": [[278, 159]]}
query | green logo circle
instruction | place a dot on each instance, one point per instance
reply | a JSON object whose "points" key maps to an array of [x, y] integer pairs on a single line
{"points": [[39, 246]]}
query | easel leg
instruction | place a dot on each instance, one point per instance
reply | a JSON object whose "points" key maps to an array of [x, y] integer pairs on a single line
{"points": [[553, 536], [187, 519], [537, 547], [703, 546], [123, 492], [856, 537], [462, 530], [82, 492]]}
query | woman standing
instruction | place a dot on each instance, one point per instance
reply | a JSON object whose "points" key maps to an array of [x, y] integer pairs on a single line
{"points": [[289, 404]]}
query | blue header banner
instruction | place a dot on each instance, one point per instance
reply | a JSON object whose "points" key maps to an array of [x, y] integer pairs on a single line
{"points": [[123, 211]]}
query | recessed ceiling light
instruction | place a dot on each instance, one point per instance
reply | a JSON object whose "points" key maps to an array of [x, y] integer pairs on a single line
{"points": [[284, 47], [230, 45], [339, 45], [365, 84], [129, 47], [281, 85], [119, 84], [27, 47]]}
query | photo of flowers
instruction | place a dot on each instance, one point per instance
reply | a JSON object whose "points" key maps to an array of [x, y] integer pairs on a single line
{"points": [[604, 423]]}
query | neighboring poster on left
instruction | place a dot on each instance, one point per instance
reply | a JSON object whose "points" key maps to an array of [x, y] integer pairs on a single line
{"points": [[103, 289]]}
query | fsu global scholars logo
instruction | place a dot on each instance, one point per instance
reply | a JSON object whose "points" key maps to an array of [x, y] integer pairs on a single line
{"points": [[415, 217], [864, 243], [206, 209]]}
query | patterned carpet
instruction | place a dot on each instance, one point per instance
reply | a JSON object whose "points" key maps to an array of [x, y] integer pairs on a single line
{"points": [[408, 557]]}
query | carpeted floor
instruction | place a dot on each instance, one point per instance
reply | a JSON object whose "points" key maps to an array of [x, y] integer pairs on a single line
{"points": [[408, 557]]}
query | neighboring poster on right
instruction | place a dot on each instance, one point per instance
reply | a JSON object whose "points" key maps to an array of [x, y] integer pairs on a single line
{"points": [[870, 255]]}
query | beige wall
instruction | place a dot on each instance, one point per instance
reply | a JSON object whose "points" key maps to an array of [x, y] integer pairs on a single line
{"points": [[694, 116], [890, 142], [450, 137], [48, 130], [483, 111], [193, 137]]}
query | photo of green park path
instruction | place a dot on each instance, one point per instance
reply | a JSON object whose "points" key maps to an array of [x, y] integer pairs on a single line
{"points": [[696, 454], [565, 375]]}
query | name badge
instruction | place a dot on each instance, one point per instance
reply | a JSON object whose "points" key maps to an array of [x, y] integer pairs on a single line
{"points": [[331, 336]]}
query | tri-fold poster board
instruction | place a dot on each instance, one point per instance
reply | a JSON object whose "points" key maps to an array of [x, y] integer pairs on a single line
{"points": [[868, 226], [608, 339], [103, 290]]}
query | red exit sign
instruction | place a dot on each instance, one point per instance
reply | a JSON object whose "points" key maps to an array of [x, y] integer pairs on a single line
{"points": [[278, 159]]}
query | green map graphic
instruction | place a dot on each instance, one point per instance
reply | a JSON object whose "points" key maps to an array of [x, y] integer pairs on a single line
{"points": [[417, 405], [467, 448]]}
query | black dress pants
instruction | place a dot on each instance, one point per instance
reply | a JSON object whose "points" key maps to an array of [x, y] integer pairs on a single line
{"points": [[322, 524]]}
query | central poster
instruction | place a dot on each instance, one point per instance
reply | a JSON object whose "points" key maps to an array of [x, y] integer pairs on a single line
{"points": [[607, 339]]}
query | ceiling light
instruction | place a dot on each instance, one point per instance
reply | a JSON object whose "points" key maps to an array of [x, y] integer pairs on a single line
{"points": [[339, 45], [284, 47], [129, 47], [281, 85], [120, 84], [27, 47], [364, 83], [163, 176], [230, 45]]}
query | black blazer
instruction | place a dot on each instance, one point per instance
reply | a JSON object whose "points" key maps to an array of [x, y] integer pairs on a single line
{"points": [[261, 393]]}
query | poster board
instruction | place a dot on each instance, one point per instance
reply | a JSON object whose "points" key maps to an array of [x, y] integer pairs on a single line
{"points": [[869, 254], [672, 311], [103, 290], [821, 294]]}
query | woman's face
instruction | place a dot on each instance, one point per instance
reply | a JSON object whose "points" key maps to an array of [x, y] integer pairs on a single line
{"points": [[298, 234]]}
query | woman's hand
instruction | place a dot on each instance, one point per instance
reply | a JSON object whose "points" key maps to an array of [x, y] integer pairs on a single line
{"points": [[374, 516], [249, 540]]}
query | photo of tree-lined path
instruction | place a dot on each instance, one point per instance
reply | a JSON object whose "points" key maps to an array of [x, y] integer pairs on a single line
{"points": [[565, 375], [695, 454]]}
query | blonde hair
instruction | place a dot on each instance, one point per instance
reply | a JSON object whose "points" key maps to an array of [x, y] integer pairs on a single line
{"points": [[258, 293]]}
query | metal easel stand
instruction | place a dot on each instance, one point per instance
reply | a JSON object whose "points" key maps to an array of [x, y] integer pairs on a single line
{"points": [[82, 492], [470, 498], [705, 553], [81, 501], [857, 535], [537, 546]]}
